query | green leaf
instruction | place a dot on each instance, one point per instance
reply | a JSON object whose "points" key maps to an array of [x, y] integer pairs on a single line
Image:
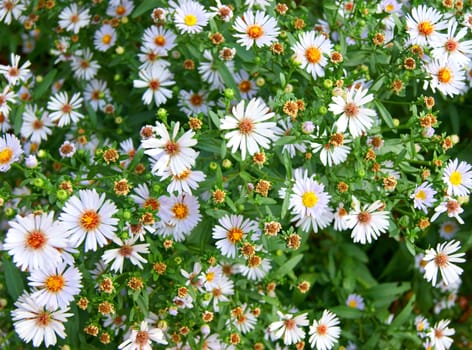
{"points": [[18, 119], [72, 326], [44, 85], [288, 266], [347, 312], [403, 316], [228, 79], [136, 159], [387, 290], [284, 140], [146, 5], [385, 114], [13, 278]]}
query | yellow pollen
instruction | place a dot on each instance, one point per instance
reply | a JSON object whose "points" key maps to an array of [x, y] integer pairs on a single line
{"points": [[255, 31], [352, 303], [322, 329], [36, 239], [6, 155], [444, 75], [389, 8], [441, 259], [235, 235], [160, 40], [180, 211], [425, 28], [120, 10], [90, 220], [55, 283], [210, 276], [190, 20], [106, 39], [455, 178], [351, 109], [313, 55], [309, 199], [246, 126], [421, 195]]}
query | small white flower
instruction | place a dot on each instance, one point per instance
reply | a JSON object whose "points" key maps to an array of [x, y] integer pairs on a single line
{"points": [[423, 197], [450, 206], [325, 332], [442, 259], [256, 29], [63, 110], [440, 335], [289, 328], [424, 25], [13, 73], [447, 77], [73, 18], [458, 178], [156, 79], [142, 339], [105, 37], [311, 52], [10, 151], [128, 250], [190, 17]]}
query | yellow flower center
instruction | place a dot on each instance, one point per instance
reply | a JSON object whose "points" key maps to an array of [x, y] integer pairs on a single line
{"points": [[106, 39], [309, 199], [313, 55], [235, 235], [255, 31], [180, 211], [90, 220], [246, 126], [421, 195], [444, 75], [455, 178], [389, 8], [425, 28], [55, 283], [448, 228], [190, 20], [6, 155], [160, 40], [210, 276], [352, 303]]}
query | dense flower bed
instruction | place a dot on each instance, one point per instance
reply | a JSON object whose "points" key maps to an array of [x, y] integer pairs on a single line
{"points": [[240, 175]]}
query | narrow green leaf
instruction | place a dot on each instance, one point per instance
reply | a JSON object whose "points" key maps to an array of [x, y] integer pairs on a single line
{"points": [[346, 312], [146, 5], [288, 266], [44, 85], [229, 80], [385, 114], [13, 278], [403, 315]]}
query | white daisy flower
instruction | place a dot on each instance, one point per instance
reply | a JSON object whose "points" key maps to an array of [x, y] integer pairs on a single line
{"points": [[248, 127], [289, 327], [352, 113], [355, 301], [190, 17], [458, 178], [6, 97], [83, 65], [35, 241], [340, 215], [256, 29], [467, 20], [231, 230], [247, 87], [11, 9], [367, 223], [423, 197], [422, 325], [243, 319], [169, 152], [325, 332], [55, 286], [73, 18], [223, 12], [439, 335], [104, 38], [10, 151], [88, 216], [451, 47], [13, 73], [448, 229], [192, 103], [128, 250], [256, 268], [219, 292], [120, 9], [97, 94], [442, 259], [155, 78], [184, 182], [285, 128], [309, 204], [424, 25], [208, 69], [4, 123], [63, 110], [36, 128], [311, 51], [67, 149], [182, 212], [143, 338], [144, 199], [446, 77], [450, 206], [334, 151], [150, 57], [160, 40], [34, 323]]}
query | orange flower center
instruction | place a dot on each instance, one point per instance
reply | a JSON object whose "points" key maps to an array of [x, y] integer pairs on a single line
{"points": [[290, 324], [55, 283], [322, 329], [120, 10], [13, 72], [425, 28], [126, 250], [142, 338], [313, 55], [196, 100], [441, 259], [160, 40], [171, 148], [235, 235], [246, 126], [43, 319], [444, 75], [6, 155], [183, 175], [37, 124], [89, 220], [364, 217], [245, 86], [255, 31], [74, 18], [106, 39], [36, 240], [67, 108], [151, 203], [451, 45], [180, 211], [154, 85], [351, 109]]}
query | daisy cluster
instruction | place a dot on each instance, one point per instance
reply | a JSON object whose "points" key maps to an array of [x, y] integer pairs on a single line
{"points": [[234, 175]]}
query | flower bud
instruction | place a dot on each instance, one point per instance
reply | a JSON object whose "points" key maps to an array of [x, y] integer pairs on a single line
{"points": [[328, 83], [226, 163], [38, 182], [229, 93], [62, 195], [323, 110], [213, 166], [31, 161]]}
